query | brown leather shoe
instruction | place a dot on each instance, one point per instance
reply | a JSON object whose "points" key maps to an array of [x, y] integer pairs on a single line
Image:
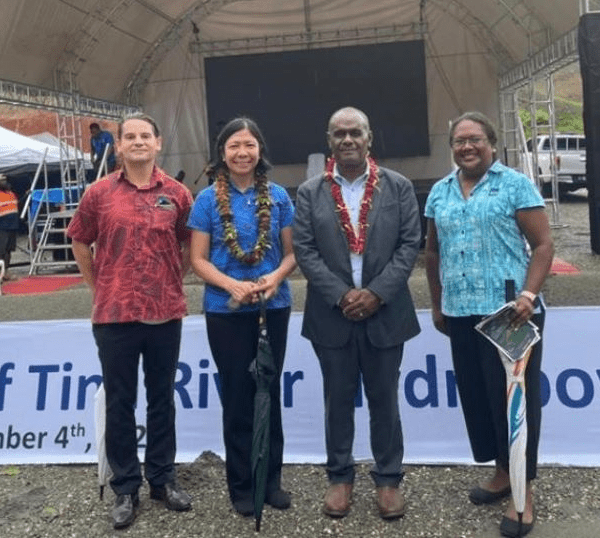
{"points": [[337, 500], [390, 502]]}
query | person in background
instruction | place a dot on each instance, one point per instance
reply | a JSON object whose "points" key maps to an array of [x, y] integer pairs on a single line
{"points": [[242, 248], [481, 219], [356, 237], [98, 142], [9, 224], [136, 220]]}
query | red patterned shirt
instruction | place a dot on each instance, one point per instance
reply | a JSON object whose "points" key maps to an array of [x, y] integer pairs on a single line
{"points": [[137, 232]]}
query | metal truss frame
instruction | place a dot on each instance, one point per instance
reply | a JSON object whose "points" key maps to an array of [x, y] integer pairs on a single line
{"points": [[16, 93], [379, 34]]}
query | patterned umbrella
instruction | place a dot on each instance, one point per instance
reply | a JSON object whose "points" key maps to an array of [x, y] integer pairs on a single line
{"points": [[263, 372], [516, 414], [517, 428], [514, 346]]}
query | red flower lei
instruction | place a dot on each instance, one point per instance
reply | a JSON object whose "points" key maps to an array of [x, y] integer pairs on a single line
{"points": [[356, 243], [263, 212]]}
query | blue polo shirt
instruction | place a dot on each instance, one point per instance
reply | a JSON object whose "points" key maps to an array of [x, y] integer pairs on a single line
{"points": [[204, 217], [480, 243], [99, 142]]}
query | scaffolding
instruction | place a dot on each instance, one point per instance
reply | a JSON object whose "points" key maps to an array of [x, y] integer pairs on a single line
{"points": [[531, 84], [323, 38], [49, 210], [72, 162], [26, 95]]}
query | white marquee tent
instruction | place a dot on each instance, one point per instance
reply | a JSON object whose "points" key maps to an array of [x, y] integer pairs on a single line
{"points": [[150, 52], [20, 154], [51, 140]]}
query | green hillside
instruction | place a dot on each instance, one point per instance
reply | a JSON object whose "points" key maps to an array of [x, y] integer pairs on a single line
{"points": [[568, 102]]}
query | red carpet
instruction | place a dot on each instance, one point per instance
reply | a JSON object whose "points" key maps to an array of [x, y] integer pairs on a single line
{"points": [[40, 284], [561, 267]]}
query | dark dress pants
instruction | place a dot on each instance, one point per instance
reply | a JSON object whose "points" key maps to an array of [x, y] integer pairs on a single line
{"points": [[119, 348], [380, 369], [8, 241], [233, 340], [481, 382]]}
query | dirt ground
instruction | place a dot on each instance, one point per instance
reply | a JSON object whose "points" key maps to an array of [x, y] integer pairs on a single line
{"points": [[62, 501]]}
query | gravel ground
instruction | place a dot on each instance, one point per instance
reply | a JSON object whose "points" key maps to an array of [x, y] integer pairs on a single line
{"points": [[62, 501]]}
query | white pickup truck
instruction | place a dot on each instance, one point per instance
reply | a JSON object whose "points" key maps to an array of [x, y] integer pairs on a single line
{"points": [[570, 162]]}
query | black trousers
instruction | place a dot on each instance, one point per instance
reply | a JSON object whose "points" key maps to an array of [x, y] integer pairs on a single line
{"points": [[481, 382], [119, 348], [233, 340], [8, 243], [342, 369]]}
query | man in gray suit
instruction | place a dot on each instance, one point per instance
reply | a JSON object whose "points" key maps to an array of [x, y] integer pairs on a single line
{"points": [[356, 237]]}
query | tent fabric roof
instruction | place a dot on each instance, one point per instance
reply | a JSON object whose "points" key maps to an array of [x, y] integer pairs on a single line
{"points": [[109, 44], [20, 153], [141, 49], [51, 140]]}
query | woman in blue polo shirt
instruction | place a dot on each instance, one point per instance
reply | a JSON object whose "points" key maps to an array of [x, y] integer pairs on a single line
{"points": [[242, 247], [481, 218]]}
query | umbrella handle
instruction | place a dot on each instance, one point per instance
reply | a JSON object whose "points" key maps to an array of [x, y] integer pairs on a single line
{"points": [[263, 309]]}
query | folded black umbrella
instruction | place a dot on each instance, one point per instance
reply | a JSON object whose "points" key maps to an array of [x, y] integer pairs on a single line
{"points": [[263, 371]]}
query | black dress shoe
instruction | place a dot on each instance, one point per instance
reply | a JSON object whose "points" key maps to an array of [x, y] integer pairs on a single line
{"points": [[244, 506], [279, 499], [124, 510], [512, 529], [172, 495], [483, 496]]}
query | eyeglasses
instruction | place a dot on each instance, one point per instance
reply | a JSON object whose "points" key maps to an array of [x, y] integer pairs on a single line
{"points": [[473, 141]]}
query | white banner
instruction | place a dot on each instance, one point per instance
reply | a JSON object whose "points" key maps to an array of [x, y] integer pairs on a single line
{"points": [[49, 373]]}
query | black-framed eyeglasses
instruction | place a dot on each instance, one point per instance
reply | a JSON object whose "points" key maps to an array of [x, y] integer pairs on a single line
{"points": [[473, 141]]}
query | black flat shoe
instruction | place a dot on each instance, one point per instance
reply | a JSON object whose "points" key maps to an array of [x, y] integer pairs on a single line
{"points": [[244, 507], [479, 495], [279, 499], [512, 529]]}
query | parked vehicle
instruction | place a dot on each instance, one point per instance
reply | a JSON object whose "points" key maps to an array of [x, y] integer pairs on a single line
{"points": [[570, 162]]}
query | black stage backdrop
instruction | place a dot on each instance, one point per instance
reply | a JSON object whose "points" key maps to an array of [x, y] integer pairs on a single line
{"points": [[589, 60], [291, 96]]}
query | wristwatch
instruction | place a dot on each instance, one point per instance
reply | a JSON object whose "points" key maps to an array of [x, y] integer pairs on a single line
{"points": [[531, 296]]}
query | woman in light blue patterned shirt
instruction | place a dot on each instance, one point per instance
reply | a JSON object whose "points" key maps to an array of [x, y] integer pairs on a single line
{"points": [[486, 226]]}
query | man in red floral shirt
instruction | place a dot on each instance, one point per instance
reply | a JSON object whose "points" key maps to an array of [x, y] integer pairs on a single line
{"points": [[136, 220]]}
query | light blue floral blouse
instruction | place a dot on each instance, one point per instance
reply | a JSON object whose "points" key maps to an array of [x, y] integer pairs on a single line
{"points": [[480, 243]]}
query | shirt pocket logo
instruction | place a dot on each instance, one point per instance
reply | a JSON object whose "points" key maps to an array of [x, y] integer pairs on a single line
{"points": [[164, 202]]}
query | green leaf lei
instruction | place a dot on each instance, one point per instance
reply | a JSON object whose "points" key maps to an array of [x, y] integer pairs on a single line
{"points": [[263, 213]]}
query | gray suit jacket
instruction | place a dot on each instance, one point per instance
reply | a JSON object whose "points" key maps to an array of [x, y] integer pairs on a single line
{"points": [[392, 245]]}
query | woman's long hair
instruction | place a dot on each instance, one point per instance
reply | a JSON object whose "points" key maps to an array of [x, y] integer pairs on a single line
{"points": [[217, 164]]}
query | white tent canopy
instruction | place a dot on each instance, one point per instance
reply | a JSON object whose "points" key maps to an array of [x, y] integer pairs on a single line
{"points": [[151, 51], [20, 154], [51, 140]]}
